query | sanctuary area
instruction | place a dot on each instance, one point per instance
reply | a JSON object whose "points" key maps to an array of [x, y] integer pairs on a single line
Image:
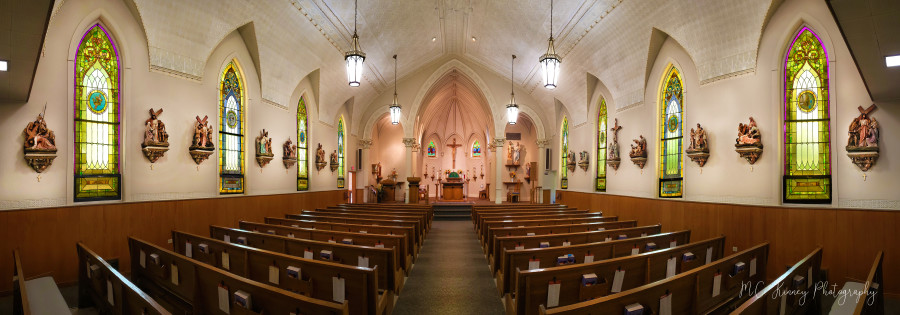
{"points": [[637, 157]]}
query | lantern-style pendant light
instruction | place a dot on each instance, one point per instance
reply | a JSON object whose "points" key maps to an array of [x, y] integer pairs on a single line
{"points": [[395, 107], [550, 61], [355, 57], [512, 110]]}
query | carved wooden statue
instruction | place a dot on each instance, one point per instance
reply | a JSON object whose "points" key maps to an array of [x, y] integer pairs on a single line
{"points": [[40, 144], [749, 141], [698, 150], [320, 158], [570, 161], [202, 145], [290, 153], [156, 140], [862, 145], [613, 159], [584, 160], [638, 152], [263, 148], [334, 160]]}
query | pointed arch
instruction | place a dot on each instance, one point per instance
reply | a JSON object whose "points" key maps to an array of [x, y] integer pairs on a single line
{"points": [[671, 132], [302, 145], [600, 184], [807, 122], [564, 150], [476, 149], [340, 151], [97, 103], [232, 103]]}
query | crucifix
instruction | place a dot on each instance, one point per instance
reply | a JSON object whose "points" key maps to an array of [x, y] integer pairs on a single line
{"points": [[453, 147]]}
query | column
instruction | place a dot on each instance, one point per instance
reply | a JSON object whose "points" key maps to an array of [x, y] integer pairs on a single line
{"points": [[410, 144], [542, 144], [365, 172], [499, 160]]}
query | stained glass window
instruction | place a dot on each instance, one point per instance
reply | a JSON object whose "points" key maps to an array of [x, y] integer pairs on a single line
{"points": [[340, 152], [231, 131], [97, 102], [564, 142], [601, 147], [807, 160], [476, 149], [432, 150], [302, 147], [671, 119]]}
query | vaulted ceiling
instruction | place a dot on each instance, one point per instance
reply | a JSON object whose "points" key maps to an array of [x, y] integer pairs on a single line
{"points": [[608, 39], [454, 106]]}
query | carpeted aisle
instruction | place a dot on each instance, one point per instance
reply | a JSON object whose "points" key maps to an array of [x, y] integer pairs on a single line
{"points": [[450, 276]]}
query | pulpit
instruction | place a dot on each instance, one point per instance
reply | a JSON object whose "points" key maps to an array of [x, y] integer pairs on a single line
{"points": [[453, 188], [389, 187]]}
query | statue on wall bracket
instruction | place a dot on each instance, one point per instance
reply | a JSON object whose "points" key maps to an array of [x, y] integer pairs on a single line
{"points": [[698, 150], [264, 148], [156, 140], [613, 159], [862, 146], [320, 158], [638, 152], [749, 141], [584, 160], [334, 161], [40, 144], [570, 161], [202, 145], [290, 153]]}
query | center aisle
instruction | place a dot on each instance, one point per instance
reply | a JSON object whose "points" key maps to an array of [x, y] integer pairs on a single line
{"points": [[450, 276]]}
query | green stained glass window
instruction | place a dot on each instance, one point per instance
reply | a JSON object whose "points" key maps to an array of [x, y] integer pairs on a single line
{"points": [[564, 148], [97, 106], [340, 152], [476, 149], [807, 159], [231, 130], [432, 149], [302, 147], [601, 147], [671, 120]]}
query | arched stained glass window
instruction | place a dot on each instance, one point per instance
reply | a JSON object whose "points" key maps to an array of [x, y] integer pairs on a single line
{"points": [[340, 152], [231, 130], [671, 119], [476, 149], [564, 148], [432, 149], [302, 147], [807, 160], [601, 146], [97, 108]]}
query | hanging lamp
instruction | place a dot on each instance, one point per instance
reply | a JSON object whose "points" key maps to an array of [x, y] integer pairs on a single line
{"points": [[550, 61], [355, 57], [395, 107], [512, 110]]}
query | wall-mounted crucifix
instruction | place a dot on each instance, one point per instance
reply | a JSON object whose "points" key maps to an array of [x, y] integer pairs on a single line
{"points": [[453, 147]]}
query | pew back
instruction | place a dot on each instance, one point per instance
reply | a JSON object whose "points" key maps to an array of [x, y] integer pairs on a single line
{"points": [[20, 293], [784, 296], [873, 300], [108, 290]]}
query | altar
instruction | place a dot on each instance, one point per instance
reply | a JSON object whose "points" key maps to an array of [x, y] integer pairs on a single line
{"points": [[453, 188]]}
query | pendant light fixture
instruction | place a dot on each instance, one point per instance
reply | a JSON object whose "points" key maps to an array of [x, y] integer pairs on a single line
{"points": [[355, 57], [550, 61], [512, 110], [395, 107]]}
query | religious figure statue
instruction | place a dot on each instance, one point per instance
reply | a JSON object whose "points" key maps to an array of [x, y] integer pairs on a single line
{"points": [[290, 149], [320, 158], [517, 153], [264, 144], [639, 148], [584, 160], [570, 161], [613, 159], [155, 131], [40, 144], [509, 153], [748, 135], [334, 160], [202, 135], [528, 172], [862, 144], [38, 137], [698, 140]]}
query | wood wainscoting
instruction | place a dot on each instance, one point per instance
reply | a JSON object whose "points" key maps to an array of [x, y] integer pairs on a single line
{"points": [[46, 237], [850, 237]]}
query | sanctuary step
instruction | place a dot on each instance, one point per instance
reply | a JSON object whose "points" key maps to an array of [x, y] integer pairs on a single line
{"points": [[452, 211]]}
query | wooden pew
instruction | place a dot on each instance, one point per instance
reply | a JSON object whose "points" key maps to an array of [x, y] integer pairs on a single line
{"points": [[328, 224], [389, 271], [427, 209], [35, 296], [347, 219], [512, 260], [689, 292], [486, 225], [361, 282], [531, 286], [783, 296], [405, 254], [407, 231], [198, 286], [20, 290], [485, 219], [477, 214], [365, 214], [494, 233], [873, 300], [101, 286], [523, 215]]}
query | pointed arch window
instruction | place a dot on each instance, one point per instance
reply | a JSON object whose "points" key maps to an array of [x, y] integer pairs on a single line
{"points": [[671, 118], [564, 158], [601, 146], [476, 149], [302, 147], [432, 149], [231, 130], [807, 159], [340, 153], [97, 107]]}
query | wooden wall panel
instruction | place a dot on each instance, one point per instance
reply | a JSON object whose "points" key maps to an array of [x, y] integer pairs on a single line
{"points": [[850, 237], [46, 237]]}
